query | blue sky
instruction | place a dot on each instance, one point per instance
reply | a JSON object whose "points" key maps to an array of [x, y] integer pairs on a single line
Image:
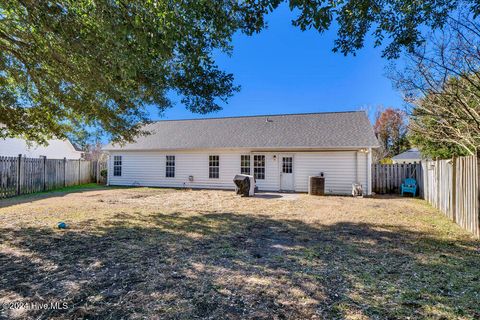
{"points": [[285, 70]]}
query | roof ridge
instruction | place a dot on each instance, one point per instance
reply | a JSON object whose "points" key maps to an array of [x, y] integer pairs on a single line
{"points": [[259, 116]]}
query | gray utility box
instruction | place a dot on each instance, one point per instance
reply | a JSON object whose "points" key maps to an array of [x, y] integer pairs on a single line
{"points": [[316, 185]]}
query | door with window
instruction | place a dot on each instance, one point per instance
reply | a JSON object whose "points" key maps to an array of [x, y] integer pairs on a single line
{"points": [[286, 173]]}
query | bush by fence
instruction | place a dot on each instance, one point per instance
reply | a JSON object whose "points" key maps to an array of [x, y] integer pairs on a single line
{"points": [[20, 175]]}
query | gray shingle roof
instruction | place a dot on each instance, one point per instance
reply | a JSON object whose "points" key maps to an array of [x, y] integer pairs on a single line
{"points": [[413, 153], [313, 130]]}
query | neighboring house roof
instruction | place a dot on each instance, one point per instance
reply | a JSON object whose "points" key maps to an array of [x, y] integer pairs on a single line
{"points": [[76, 147], [411, 154], [313, 130], [56, 149]]}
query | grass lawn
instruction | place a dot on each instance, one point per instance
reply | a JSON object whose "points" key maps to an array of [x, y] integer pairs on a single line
{"points": [[143, 253]]}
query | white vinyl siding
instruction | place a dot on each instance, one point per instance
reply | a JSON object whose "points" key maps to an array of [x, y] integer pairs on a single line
{"points": [[143, 168], [363, 171], [148, 169], [339, 168]]}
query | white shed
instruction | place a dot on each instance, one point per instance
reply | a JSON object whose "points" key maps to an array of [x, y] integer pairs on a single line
{"points": [[281, 151], [410, 156]]}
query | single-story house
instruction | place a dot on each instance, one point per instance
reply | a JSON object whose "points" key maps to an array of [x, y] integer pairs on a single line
{"points": [[55, 149], [410, 156], [280, 151]]}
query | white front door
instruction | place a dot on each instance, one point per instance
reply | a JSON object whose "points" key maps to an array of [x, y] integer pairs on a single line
{"points": [[286, 173]]}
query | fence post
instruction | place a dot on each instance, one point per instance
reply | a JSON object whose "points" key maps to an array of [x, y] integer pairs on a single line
{"points": [[437, 178], [44, 173], [374, 176], [97, 173], [454, 189], [19, 179], [64, 172], [478, 195], [79, 165], [425, 180]]}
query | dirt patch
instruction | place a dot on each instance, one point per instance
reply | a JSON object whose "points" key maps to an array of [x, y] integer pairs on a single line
{"points": [[181, 254]]}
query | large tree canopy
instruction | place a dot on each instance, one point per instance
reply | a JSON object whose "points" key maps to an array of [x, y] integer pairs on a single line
{"points": [[99, 63], [398, 21], [441, 84], [86, 63]]}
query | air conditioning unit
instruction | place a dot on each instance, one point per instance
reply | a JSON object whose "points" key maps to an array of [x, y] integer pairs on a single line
{"points": [[316, 185]]}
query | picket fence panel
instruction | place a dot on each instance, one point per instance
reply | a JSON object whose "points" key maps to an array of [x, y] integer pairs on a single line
{"points": [[388, 178], [8, 176]]}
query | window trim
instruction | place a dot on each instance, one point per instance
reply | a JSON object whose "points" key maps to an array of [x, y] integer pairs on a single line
{"points": [[287, 167], [168, 165], [117, 165], [242, 166], [214, 170], [255, 167]]}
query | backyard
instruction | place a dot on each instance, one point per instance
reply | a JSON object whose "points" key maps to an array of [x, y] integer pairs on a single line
{"points": [[179, 254]]}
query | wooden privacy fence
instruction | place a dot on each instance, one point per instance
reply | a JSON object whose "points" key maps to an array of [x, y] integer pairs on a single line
{"points": [[20, 175], [452, 186], [388, 178]]}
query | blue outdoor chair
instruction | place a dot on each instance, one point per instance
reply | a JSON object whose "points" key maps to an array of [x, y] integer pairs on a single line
{"points": [[410, 186]]}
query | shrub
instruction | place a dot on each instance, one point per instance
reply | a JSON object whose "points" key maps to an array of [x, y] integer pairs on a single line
{"points": [[103, 173]]}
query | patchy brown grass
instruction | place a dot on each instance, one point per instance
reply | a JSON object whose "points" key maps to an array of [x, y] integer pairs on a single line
{"points": [[175, 254]]}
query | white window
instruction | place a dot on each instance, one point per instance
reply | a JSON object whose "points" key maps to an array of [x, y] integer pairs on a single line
{"points": [[245, 164], [287, 164], [170, 167], [259, 167], [214, 167], [117, 166]]}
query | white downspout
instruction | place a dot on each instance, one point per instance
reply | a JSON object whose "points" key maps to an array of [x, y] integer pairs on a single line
{"points": [[369, 171], [357, 164]]}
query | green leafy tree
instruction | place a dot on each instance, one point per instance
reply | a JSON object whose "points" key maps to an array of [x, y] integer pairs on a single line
{"points": [[99, 64], [441, 123], [397, 21], [81, 139]]}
